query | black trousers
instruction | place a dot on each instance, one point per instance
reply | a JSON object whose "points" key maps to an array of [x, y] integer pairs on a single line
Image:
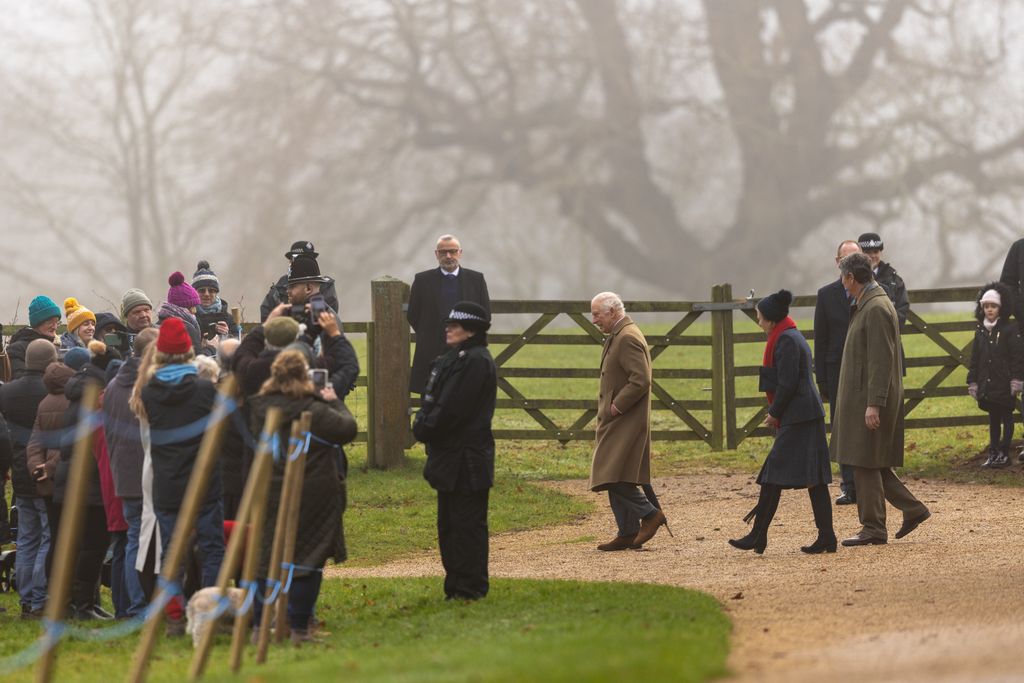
{"points": [[92, 548], [462, 536]]}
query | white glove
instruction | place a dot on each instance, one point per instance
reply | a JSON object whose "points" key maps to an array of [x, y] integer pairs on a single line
{"points": [[972, 389]]}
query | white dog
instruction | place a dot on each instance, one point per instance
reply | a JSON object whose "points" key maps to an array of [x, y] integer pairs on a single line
{"points": [[203, 604]]}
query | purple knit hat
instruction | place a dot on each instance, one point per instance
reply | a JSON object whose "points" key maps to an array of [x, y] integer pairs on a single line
{"points": [[181, 293]]}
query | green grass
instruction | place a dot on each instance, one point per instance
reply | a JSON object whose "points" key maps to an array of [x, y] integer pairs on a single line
{"points": [[401, 630], [394, 513]]}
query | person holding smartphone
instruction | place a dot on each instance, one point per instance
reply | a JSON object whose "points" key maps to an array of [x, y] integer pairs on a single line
{"points": [[293, 388], [215, 320]]}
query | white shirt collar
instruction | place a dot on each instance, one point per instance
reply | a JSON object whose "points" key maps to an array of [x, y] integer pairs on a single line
{"points": [[454, 272]]}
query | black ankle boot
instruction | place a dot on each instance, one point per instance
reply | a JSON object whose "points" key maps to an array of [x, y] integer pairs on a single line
{"points": [[823, 544], [767, 504], [753, 541]]}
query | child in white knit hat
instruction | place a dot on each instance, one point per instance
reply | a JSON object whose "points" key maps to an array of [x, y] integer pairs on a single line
{"points": [[997, 368]]}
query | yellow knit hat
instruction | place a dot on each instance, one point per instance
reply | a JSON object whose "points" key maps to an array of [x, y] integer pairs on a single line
{"points": [[76, 313]]}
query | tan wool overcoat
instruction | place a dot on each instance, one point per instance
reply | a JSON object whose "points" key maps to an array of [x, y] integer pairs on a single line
{"points": [[622, 452], [871, 375]]}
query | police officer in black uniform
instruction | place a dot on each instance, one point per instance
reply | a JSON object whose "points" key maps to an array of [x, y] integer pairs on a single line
{"points": [[454, 421], [278, 293]]}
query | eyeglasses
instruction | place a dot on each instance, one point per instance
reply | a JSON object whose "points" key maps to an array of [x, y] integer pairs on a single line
{"points": [[447, 252], [206, 290]]}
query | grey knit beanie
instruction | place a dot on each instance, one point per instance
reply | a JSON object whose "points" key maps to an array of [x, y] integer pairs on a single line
{"points": [[133, 298]]}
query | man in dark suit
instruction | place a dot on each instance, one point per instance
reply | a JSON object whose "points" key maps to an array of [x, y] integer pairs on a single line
{"points": [[434, 293], [831, 319]]}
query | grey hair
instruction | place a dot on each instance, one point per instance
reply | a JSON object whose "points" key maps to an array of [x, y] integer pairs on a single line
{"points": [[609, 301], [448, 238], [858, 265]]}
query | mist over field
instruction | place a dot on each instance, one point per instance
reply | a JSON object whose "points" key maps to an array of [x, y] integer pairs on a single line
{"points": [[652, 147]]}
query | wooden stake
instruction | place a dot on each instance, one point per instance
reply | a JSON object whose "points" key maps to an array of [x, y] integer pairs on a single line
{"points": [[233, 553], [263, 466], [71, 521], [209, 450], [277, 550], [283, 628]]}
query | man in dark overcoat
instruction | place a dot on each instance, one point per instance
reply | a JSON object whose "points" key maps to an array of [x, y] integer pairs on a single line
{"points": [[433, 295], [622, 450], [831, 318], [868, 429]]}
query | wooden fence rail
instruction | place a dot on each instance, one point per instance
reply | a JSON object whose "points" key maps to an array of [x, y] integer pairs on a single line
{"points": [[713, 409]]}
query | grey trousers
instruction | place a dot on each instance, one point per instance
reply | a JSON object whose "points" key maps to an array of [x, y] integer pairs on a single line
{"points": [[629, 505], [874, 488]]}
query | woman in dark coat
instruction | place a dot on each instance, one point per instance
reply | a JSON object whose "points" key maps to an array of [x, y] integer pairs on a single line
{"points": [[997, 368], [799, 457], [320, 535], [454, 422]]}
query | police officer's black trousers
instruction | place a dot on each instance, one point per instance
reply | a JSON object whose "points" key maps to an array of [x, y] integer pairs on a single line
{"points": [[462, 536]]}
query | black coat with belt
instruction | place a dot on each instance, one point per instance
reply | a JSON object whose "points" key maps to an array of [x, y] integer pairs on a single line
{"points": [[799, 457], [831, 320], [454, 420], [427, 319]]}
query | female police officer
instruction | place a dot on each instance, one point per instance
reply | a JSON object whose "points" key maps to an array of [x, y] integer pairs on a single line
{"points": [[454, 422]]}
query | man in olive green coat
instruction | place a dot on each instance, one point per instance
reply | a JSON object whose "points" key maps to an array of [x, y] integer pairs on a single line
{"points": [[867, 433], [622, 453]]}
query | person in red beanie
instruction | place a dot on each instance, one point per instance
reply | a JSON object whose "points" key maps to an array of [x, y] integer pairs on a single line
{"points": [[176, 404]]}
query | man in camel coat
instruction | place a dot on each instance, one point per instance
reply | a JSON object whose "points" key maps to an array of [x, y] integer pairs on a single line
{"points": [[622, 453], [867, 433]]}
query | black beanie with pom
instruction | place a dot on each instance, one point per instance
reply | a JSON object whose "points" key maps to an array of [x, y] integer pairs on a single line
{"points": [[205, 277], [775, 306]]}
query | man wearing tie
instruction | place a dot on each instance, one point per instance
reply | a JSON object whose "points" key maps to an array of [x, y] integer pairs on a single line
{"points": [[831, 319], [434, 293]]}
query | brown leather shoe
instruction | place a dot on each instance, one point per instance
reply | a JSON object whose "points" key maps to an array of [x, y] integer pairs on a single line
{"points": [[911, 524], [617, 543], [648, 527], [863, 539]]}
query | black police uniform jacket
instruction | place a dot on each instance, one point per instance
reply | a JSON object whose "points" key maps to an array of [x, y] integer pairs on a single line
{"points": [[454, 420]]}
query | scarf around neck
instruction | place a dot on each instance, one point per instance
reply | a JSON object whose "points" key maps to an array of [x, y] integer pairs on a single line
{"points": [[769, 349], [212, 308], [175, 372]]}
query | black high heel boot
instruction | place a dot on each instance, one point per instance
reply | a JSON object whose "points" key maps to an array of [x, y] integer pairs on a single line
{"points": [[826, 541], [767, 504]]}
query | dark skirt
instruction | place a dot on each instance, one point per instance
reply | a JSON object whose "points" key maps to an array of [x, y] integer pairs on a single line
{"points": [[799, 457]]}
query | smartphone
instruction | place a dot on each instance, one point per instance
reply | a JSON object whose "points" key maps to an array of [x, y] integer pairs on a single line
{"points": [[319, 378], [112, 340], [39, 473]]}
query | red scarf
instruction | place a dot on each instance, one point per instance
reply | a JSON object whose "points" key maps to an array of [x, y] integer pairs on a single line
{"points": [[769, 348]]}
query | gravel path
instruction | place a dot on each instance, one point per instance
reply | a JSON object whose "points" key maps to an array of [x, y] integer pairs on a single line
{"points": [[943, 604]]}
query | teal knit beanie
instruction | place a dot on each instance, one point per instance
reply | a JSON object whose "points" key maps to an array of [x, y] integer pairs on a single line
{"points": [[42, 308]]}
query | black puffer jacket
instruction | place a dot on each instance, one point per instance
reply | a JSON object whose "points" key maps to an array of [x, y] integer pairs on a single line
{"points": [[19, 401], [321, 534], [997, 356], [17, 347], [178, 414], [454, 420]]}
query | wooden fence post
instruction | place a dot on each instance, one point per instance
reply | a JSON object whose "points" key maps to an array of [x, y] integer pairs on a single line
{"points": [[718, 370], [390, 364], [71, 521], [729, 372]]}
